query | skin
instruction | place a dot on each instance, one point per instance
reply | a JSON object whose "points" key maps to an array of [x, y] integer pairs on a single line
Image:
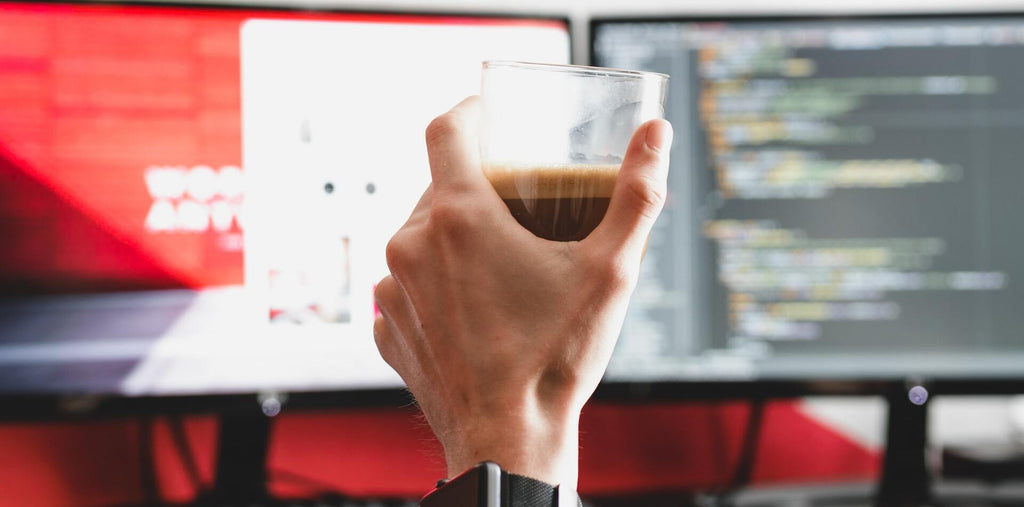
{"points": [[502, 336]]}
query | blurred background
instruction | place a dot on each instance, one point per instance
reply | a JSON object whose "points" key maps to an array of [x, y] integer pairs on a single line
{"points": [[194, 200]]}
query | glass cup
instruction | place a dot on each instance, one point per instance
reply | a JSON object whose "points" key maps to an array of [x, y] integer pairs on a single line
{"points": [[553, 138]]}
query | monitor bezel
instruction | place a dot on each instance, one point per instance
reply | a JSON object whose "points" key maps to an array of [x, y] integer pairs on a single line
{"points": [[93, 406], [626, 391], [34, 406], [277, 7], [48, 405]]}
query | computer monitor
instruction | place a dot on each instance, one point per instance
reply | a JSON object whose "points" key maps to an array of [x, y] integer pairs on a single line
{"points": [[138, 147], [845, 200]]}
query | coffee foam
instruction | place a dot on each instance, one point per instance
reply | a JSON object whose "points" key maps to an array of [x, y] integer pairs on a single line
{"points": [[551, 181]]}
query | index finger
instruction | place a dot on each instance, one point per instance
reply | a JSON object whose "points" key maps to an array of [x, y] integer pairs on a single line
{"points": [[453, 147]]}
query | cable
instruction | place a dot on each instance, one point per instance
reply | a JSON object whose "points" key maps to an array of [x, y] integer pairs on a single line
{"points": [[747, 458], [719, 437], [324, 491], [184, 451], [321, 487], [147, 466], [748, 452]]}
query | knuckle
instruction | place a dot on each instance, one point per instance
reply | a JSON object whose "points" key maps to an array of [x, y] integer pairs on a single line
{"points": [[449, 218], [617, 275], [384, 341], [609, 271], [385, 296], [646, 195], [397, 255], [442, 128], [380, 334], [379, 290]]}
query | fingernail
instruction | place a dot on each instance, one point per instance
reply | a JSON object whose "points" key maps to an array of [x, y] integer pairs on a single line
{"points": [[659, 136]]}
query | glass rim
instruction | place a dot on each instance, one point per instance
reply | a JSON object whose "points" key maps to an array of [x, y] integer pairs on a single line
{"points": [[581, 70]]}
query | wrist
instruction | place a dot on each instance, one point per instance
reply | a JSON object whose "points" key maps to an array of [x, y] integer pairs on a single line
{"points": [[522, 442]]}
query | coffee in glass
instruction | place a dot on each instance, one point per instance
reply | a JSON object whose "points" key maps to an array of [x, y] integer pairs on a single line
{"points": [[553, 138]]}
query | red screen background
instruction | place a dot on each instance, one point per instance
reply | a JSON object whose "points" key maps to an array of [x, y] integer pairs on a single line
{"points": [[93, 96]]}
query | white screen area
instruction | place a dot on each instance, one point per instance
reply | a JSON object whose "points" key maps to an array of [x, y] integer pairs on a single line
{"points": [[343, 107]]}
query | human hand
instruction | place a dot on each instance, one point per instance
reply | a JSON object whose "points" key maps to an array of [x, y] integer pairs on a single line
{"points": [[502, 336]]}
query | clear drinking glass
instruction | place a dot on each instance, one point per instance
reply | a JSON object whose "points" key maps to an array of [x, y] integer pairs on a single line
{"points": [[553, 138]]}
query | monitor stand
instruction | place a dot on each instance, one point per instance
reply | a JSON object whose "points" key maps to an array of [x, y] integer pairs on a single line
{"points": [[241, 459], [905, 478]]}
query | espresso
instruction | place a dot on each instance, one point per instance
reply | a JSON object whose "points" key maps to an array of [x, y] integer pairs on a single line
{"points": [[560, 203]]}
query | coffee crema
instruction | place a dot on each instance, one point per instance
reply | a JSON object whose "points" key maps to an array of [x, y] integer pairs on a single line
{"points": [[556, 202]]}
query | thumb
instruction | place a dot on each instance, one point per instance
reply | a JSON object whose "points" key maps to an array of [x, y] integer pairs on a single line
{"points": [[640, 188]]}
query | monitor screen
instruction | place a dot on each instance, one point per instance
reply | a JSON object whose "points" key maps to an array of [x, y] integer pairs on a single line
{"points": [[196, 200], [845, 199]]}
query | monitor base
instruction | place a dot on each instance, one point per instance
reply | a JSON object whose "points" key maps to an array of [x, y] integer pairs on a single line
{"points": [[905, 480], [241, 460]]}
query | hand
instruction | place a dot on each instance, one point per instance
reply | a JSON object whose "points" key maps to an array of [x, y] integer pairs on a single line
{"points": [[502, 336]]}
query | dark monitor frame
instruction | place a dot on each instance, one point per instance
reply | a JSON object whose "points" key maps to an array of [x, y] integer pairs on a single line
{"points": [[79, 405], [43, 406], [712, 389], [905, 478], [86, 406]]}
